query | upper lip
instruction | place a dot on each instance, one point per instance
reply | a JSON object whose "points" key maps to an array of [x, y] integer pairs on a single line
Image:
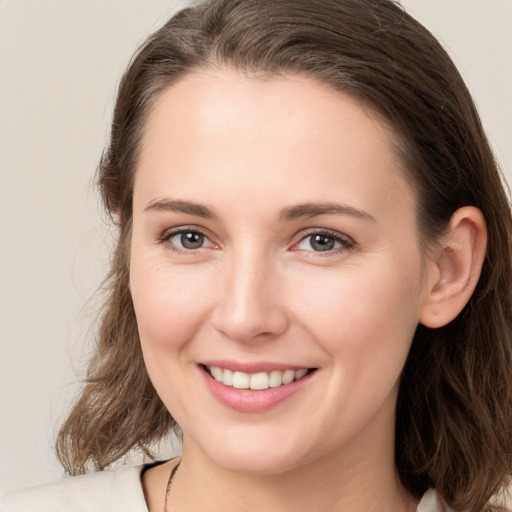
{"points": [[252, 367]]}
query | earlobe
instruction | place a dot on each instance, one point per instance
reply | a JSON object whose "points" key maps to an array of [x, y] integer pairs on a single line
{"points": [[455, 270]]}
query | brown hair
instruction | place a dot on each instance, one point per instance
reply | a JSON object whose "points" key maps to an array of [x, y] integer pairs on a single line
{"points": [[454, 411]]}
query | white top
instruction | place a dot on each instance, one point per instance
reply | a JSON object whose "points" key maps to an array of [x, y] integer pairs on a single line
{"points": [[106, 491]]}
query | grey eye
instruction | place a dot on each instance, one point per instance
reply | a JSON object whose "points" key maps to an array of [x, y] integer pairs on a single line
{"points": [[191, 240], [322, 242]]}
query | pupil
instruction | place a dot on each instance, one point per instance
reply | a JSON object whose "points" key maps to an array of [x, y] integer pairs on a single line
{"points": [[322, 243], [192, 240]]}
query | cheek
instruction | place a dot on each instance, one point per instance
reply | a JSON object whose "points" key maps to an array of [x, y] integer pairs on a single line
{"points": [[169, 305], [170, 308], [364, 318]]}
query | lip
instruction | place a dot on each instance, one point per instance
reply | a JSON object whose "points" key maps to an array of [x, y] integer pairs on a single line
{"points": [[252, 401]]}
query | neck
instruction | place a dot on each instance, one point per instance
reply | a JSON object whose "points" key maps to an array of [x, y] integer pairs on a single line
{"points": [[334, 482]]}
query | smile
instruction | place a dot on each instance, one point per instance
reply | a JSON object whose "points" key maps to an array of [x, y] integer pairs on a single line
{"points": [[255, 381]]}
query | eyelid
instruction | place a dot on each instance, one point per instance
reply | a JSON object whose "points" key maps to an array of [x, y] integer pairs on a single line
{"points": [[346, 241], [172, 232]]}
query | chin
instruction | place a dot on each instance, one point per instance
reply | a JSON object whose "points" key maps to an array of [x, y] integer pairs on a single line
{"points": [[256, 460]]}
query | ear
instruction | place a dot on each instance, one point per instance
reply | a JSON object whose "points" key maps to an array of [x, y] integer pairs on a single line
{"points": [[455, 269]]}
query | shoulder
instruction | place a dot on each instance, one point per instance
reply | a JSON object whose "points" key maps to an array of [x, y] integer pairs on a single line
{"points": [[105, 491], [430, 502]]}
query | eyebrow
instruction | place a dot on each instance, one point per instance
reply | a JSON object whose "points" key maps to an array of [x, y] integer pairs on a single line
{"points": [[168, 205], [310, 210], [299, 211]]}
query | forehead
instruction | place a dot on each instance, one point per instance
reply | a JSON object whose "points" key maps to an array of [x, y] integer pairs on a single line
{"points": [[287, 133], [203, 99]]}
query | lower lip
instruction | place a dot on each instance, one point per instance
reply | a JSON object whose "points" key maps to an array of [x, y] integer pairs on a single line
{"points": [[247, 400]]}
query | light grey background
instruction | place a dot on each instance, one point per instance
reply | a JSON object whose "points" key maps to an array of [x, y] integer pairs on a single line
{"points": [[60, 62]]}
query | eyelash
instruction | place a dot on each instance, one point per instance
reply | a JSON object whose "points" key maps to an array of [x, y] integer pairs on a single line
{"points": [[345, 242], [169, 234]]}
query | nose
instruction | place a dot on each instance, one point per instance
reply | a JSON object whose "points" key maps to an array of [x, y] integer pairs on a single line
{"points": [[250, 305]]}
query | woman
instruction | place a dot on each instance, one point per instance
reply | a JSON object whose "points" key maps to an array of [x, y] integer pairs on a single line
{"points": [[312, 277]]}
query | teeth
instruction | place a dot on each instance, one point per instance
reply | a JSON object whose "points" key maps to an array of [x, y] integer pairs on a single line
{"points": [[217, 374], [227, 377], [300, 373], [275, 379], [241, 380], [259, 380], [288, 376], [256, 381]]}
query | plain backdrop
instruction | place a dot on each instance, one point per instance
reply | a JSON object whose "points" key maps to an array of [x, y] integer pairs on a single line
{"points": [[60, 63]]}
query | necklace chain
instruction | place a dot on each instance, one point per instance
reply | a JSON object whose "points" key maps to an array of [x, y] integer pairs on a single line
{"points": [[169, 484], [173, 472]]}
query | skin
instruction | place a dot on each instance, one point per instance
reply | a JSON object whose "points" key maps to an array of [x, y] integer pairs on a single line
{"points": [[257, 290]]}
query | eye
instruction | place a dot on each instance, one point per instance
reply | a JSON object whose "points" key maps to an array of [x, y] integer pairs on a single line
{"points": [[187, 240], [324, 242]]}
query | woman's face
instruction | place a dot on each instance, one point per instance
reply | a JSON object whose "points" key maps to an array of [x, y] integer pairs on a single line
{"points": [[274, 238]]}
